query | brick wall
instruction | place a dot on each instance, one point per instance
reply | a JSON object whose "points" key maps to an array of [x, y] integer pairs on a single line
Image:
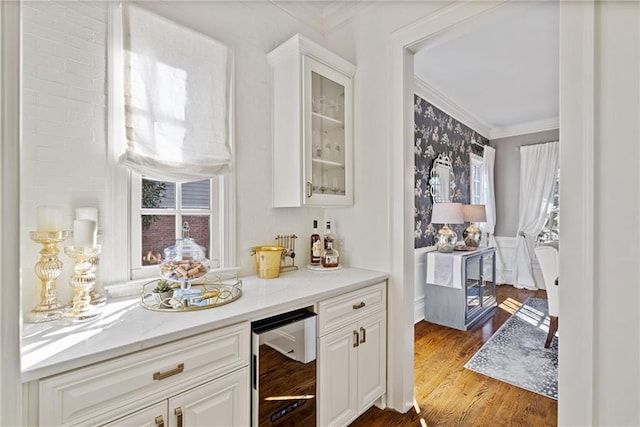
{"points": [[162, 234]]}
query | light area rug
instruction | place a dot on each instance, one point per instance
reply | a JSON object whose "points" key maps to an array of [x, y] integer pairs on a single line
{"points": [[516, 355]]}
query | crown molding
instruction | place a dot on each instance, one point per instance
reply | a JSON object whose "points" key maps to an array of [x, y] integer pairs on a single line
{"points": [[525, 128], [323, 16], [444, 103]]}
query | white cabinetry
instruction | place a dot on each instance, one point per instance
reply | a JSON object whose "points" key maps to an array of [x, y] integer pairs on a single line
{"points": [[196, 381], [312, 125], [351, 355]]}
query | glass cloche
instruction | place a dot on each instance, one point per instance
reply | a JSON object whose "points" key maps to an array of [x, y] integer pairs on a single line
{"points": [[184, 262]]}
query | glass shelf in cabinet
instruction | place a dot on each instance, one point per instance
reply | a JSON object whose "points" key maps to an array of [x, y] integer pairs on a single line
{"points": [[330, 121], [327, 163]]}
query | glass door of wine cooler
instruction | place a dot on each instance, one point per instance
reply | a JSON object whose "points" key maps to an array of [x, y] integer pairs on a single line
{"points": [[328, 131]]}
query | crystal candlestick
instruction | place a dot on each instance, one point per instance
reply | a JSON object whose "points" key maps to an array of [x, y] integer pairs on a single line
{"points": [[48, 269], [96, 297], [82, 282]]}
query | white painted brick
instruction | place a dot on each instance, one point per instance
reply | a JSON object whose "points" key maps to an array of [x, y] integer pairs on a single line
{"points": [[78, 117], [49, 154], [31, 58], [49, 9], [52, 100], [38, 139], [29, 97], [86, 21], [64, 129], [74, 29], [44, 31], [93, 9], [83, 69], [62, 50], [48, 113], [83, 45]]}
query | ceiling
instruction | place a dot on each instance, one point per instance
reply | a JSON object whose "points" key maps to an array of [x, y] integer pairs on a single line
{"points": [[498, 71]]}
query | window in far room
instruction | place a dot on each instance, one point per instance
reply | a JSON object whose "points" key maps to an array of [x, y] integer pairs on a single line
{"points": [[475, 177], [551, 229]]}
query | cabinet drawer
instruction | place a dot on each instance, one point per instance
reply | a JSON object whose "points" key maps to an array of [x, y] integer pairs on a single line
{"points": [[88, 395], [336, 312]]}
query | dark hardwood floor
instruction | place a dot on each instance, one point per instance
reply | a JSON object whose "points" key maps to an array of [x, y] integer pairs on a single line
{"points": [[447, 394]]}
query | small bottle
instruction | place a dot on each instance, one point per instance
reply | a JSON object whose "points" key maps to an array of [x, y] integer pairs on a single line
{"points": [[316, 245], [330, 257], [328, 237]]}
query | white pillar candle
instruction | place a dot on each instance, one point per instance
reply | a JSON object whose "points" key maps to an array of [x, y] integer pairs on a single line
{"points": [[85, 233], [48, 218], [87, 213]]}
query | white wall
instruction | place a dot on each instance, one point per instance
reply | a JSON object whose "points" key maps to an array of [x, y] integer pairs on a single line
{"points": [[64, 119]]}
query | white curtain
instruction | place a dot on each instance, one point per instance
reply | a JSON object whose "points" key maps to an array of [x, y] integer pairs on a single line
{"points": [[538, 170], [177, 97], [488, 165]]}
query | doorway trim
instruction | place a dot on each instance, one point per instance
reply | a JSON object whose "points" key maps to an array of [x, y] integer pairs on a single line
{"points": [[577, 33]]}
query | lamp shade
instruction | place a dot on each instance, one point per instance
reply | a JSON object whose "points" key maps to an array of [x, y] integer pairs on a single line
{"points": [[447, 213], [474, 213]]}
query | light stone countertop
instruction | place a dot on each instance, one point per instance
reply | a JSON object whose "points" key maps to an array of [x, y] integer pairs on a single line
{"points": [[125, 326]]}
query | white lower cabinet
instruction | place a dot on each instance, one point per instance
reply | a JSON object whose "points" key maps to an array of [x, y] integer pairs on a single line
{"points": [[222, 402], [153, 416], [352, 359], [202, 380]]}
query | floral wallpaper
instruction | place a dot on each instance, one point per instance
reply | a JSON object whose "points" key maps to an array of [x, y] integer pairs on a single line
{"points": [[436, 132]]}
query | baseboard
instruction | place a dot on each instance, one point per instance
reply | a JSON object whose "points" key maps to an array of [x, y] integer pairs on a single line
{"points": [[419, 282]]}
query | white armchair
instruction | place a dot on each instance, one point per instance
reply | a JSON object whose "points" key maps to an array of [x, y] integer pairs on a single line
{"points": [[548, 259]]}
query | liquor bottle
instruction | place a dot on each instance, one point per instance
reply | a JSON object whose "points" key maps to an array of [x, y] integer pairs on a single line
{"points": [[330, 256], [328, 237], [316, 245]]}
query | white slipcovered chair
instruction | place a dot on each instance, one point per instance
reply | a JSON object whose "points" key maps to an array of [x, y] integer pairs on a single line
{"points": [[548, 258]]}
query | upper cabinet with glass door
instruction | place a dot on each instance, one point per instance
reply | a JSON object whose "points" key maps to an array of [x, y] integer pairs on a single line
{"points": [[312, 125]]}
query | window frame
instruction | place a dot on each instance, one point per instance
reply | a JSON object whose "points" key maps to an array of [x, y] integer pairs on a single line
{"points": [[547, 229], [476, 161], [139, 271], [118, 279]]}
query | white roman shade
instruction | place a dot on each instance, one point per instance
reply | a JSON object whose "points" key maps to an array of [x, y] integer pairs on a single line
{"points": [[177, 98]]}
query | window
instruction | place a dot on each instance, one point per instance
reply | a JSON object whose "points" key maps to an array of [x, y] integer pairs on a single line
{"points": [[551, 229], [162, 211], [196, 185], [476, 193]]}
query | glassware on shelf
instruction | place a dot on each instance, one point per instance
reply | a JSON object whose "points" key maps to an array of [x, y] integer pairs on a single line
{"points": [[184, 262]]}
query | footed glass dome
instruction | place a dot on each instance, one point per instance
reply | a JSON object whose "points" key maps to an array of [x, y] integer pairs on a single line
{"points": [[184, 262]]}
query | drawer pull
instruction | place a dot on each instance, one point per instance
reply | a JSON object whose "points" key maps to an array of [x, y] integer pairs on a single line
{"points": [[178, 413], [159, 421], [364, 335], [162, 375], [356, 339], [359, 306]]}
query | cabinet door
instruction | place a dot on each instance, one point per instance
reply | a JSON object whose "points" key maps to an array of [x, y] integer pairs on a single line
{"points": [[223, 402], [153, 416], [337, 377], [327, 122], [372, 353]]}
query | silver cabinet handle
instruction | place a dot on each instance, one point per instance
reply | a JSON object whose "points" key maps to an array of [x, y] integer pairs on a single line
{"points": [[309, 189], [364, 335], [356, 339]]}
